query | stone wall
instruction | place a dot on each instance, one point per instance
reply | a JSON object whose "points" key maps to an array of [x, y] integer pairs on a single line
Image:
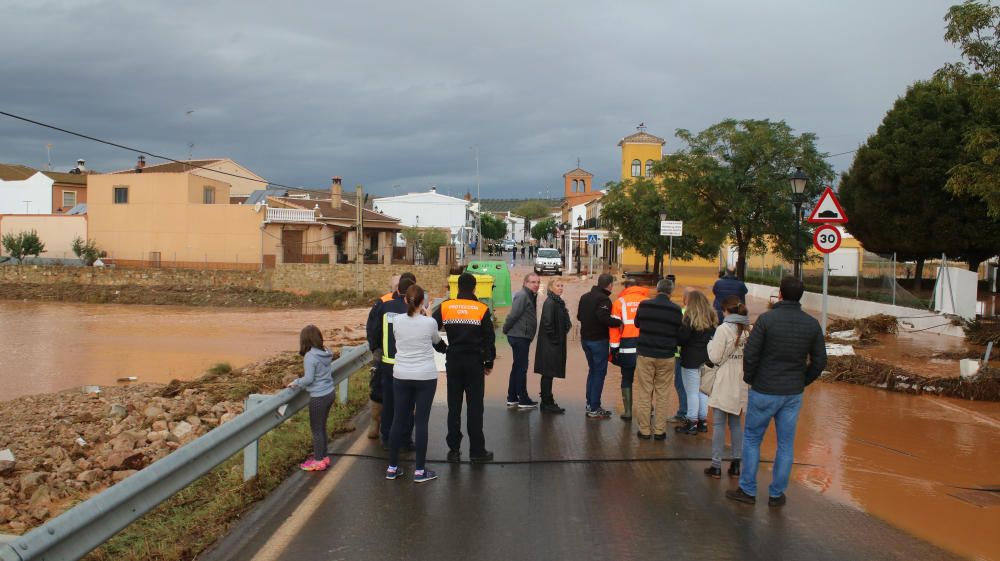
{"points": [[116, 276], [293, 277], [305, 277]]}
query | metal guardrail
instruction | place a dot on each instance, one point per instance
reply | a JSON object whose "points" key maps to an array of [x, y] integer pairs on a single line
{"points": [[87, 525]]}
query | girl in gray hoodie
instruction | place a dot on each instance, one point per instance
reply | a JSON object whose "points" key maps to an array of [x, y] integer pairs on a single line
{"points": [[317, 379]]}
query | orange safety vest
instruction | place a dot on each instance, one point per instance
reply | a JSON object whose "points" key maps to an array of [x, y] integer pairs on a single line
{"points": [[624, 308]]}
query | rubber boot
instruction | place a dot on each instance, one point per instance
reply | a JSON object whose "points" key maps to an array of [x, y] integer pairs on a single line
{"points": [[376, 420], [627, 403]]}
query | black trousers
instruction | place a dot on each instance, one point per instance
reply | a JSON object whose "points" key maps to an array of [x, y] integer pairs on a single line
{"points": [[384, 373], [413, 400], [466, 380]]}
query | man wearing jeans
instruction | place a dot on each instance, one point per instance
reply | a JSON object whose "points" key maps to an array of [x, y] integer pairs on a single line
{"points": [[784, 354], [594, 313], [520, 327]]}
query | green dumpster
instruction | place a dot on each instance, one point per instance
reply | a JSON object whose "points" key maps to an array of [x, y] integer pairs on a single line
{"points": [[501, 279]]}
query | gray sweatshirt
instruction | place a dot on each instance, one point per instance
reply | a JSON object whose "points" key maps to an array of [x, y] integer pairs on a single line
{"points": [[318, 377], [522, 320]]}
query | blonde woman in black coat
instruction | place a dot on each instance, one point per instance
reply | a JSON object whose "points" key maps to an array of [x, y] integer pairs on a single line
{"points": [[550, 351]]}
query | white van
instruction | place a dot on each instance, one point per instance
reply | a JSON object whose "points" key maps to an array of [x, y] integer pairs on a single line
{"points": [[548, 260]]}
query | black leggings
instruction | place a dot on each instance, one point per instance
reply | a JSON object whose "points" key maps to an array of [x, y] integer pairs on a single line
{"points": [[407, 395], [319, 411]]}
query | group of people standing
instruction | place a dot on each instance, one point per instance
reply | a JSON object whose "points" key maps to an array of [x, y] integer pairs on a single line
{"points": [[713, 357]]}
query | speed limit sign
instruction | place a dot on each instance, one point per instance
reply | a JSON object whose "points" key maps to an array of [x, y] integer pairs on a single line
{"points": [[826, 239]]}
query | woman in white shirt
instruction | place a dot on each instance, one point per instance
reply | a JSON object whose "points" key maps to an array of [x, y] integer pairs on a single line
{"points": [[414, 381]]}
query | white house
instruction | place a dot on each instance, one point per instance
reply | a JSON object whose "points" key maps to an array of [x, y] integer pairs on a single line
{"points": [[431, 210], [515, 228], [24, 190]]}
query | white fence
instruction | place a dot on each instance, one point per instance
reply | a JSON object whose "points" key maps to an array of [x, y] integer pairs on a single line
{"points": [[290, 215]]}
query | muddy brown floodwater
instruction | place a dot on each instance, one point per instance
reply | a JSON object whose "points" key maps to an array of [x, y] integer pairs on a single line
{"points": [[54, 346], [925, 464]]}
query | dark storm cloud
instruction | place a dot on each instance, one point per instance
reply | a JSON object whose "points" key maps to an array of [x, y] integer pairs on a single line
{"points": [[398, 93]]}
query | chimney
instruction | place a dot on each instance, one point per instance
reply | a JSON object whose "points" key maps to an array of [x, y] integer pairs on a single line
{"points": [[434, 189], [140, 163], [336, 190], [468, 196], [80, 168]]}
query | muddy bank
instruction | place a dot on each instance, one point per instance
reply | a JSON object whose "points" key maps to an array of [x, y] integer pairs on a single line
{"points": [[227, 297], [71, 445]]}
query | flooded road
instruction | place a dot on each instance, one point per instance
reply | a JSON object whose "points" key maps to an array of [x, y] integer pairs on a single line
{"points": [[921, 463], [54, 346]]}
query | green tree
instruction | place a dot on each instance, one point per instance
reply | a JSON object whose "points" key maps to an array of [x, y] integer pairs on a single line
{"points": [[493, 228], [426, 241], [894, 192], [23, 244], [631, 210], [974, 26], [87, 251], [532, 210], [731, 180], [544, 229]]}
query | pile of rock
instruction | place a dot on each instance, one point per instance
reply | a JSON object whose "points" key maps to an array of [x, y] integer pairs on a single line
{"points": [[70, 445]]}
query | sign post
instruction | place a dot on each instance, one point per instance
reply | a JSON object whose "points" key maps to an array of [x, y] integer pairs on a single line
{"points": [[592, 241], [671, 228], [826, 239]]}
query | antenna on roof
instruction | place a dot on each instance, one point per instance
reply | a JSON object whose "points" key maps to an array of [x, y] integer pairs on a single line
{"points": [[48, 155], [641, 127]]}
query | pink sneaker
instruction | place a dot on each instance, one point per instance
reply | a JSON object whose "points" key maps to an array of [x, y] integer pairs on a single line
{"points": [[313, 465]]}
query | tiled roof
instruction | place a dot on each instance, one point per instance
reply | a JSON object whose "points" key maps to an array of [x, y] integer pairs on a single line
{"points": [[15, 172], [642, 137], [174, 167], [578, 172], [347, 211], [67, 178]]}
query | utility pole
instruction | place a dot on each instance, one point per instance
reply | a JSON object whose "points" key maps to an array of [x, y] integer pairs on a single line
{"points": [[359, 255], [479, 215]]}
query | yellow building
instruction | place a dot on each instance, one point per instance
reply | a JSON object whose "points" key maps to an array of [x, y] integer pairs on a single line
{"points": [[640, 151]]}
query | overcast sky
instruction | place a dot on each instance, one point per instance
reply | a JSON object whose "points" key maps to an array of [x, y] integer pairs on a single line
{"points": [[398, 93]]}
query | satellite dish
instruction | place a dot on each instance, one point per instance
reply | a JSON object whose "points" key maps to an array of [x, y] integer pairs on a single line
{"points": [[256, 207]]}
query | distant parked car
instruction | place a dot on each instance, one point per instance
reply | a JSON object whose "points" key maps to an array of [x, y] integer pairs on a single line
{"points": [[508, 245], [548, 260]]}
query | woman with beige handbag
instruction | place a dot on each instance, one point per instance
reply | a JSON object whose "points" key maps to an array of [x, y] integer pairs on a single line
{"points": [[728, 396]]}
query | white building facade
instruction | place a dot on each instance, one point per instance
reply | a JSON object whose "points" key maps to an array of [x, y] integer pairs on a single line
{"points": [[26, 196], [431, 210]]}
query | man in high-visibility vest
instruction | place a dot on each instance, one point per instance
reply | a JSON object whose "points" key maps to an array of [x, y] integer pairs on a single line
{"points": [[625, 337], [383, 346], [375, 382], [471, 351]]}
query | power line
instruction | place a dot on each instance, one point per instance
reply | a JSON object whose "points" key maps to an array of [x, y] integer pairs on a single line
{"points": [[147, 153]]}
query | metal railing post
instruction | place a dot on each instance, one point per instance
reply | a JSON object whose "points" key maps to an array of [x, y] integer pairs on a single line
{"points": [[251, 461]]}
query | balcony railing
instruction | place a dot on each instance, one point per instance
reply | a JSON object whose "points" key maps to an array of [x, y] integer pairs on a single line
{"points": [[290, 215]]}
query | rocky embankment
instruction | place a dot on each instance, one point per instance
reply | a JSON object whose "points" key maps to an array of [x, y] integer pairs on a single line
{"points": [[70, 445]]}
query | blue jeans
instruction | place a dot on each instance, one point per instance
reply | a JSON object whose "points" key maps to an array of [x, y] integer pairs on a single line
{"points": [[597, 363], [517, 388], [760, 409], [682, 407], [697, 402]]}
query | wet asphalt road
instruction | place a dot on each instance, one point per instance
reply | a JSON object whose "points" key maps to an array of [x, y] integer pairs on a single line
{"points": [[561, 487]]}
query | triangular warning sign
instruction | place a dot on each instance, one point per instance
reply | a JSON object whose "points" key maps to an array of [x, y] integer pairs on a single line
{"points": [[828, 210]]}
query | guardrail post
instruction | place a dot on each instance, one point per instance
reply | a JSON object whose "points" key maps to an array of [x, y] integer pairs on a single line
{"points": [[342, 386], [251, 456]]}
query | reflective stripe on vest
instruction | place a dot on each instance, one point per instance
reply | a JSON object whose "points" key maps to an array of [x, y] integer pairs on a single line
{"points": [[388, 338], [626, 320]]}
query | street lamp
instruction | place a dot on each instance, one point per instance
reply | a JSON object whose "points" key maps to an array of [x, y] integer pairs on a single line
{"points": [[798, 182], [579, 226]]}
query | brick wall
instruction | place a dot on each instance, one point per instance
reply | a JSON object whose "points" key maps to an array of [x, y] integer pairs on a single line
{"points": [[305, 277]]}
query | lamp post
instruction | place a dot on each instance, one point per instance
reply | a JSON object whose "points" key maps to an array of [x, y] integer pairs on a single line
{"points": [[579, 227], [798, 182]]}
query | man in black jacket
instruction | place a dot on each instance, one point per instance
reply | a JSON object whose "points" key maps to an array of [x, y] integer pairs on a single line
{"points": [[659, 321], [469, 359], [594, 313], [784, 353]]}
